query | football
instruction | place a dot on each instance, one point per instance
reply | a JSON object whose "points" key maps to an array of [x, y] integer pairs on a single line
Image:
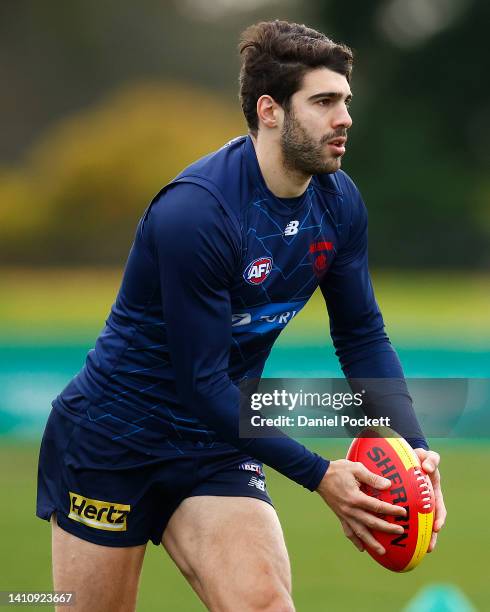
{"points": [[385, 453]]}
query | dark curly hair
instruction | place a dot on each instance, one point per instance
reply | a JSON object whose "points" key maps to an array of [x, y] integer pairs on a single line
{"points": [[275, 57]]}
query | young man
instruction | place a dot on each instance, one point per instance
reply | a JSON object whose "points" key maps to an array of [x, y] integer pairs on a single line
{"points": [[143, 443]]}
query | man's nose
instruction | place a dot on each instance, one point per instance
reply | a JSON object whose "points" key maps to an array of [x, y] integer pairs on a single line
{"points": [[342, 118]]}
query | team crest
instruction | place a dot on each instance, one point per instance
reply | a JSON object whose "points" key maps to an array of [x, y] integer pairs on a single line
{"points": [[319, 258], [258, 270], [320, 263]]}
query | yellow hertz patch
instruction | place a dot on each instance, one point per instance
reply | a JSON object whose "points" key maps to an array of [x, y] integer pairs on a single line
{"points": [[98, 514]]}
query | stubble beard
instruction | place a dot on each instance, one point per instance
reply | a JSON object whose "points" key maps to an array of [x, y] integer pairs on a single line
{"points": [[301, 153]]}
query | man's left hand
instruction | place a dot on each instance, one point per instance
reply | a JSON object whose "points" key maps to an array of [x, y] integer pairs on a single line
{"points": [[430, 464]]}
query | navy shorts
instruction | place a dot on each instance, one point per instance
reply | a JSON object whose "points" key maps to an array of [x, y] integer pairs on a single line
{"points": [[121, 497]]}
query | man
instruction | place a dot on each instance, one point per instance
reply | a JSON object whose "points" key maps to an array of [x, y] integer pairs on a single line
{"points": [[144, 443]]}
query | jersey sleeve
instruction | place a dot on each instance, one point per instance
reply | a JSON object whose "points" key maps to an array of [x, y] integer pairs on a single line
{"points": [[198, 250], [357, 328]]}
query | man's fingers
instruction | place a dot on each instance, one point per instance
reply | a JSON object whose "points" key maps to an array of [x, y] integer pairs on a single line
{"points": [[363, 533], [432, 543], [364, 475], [349, 532], [441, 513], [431, 462], [429, 459], [376, 506], [435, 478], [377, 524], [439, 522]]}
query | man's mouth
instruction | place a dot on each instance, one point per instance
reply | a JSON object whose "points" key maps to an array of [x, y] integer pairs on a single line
{"points": [[337, 145]]}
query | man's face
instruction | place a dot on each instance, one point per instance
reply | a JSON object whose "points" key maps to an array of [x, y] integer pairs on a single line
{"points": [[315, 127]]}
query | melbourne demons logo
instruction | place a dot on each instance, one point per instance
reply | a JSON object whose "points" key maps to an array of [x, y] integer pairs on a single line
{"points": [[258, 270], [320, 261]]}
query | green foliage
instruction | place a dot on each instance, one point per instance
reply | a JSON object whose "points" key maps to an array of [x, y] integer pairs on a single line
{"points": [[418, 148], [87, 181], [420, 135]]}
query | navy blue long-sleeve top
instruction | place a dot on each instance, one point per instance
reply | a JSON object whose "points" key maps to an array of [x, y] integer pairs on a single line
{"points": [[217, 265]]}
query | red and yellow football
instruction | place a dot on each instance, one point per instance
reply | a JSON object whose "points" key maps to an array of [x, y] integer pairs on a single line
{"points": [[385, 453]]}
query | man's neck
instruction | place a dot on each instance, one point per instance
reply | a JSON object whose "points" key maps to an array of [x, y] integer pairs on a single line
{"points": [[283, 183]]}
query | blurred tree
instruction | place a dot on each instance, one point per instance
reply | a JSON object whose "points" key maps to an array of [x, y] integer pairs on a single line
{"points": [[88, 180], [58, 57], [418, 149], [421, 126]]}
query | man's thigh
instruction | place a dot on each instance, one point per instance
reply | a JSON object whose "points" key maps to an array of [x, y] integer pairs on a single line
{"points": [[103, 578], [232, 551]]}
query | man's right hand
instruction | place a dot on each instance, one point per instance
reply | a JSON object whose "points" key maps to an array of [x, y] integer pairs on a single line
{"points": [[340, 489]]}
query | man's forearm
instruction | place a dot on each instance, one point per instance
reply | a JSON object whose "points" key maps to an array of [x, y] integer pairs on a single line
{"points": [[379, 373], [221, 412]]}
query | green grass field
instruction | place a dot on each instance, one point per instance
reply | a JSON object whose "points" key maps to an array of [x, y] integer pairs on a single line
{"points": [[49, 318], [328, 573]]}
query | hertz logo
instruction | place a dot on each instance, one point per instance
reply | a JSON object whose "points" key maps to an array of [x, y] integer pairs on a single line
{"points": [[98, 514]]}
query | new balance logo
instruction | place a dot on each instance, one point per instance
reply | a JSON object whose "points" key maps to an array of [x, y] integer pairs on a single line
{"points": [[291, 228], [256, 482]]}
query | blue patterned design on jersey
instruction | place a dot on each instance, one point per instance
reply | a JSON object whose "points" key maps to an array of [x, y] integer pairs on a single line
{"points": [[131, 377]]}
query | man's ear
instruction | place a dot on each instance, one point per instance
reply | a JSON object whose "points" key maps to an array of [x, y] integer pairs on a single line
{"points": [[269, 112]]}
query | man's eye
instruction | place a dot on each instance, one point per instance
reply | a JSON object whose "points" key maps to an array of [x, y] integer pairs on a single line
{"points": [[324, 102]]}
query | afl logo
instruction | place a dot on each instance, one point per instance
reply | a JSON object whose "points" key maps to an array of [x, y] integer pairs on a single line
{"points": [[258, 270]]}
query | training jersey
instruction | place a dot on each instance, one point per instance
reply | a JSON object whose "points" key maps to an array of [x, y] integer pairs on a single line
{"points": [[219, 266]]}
